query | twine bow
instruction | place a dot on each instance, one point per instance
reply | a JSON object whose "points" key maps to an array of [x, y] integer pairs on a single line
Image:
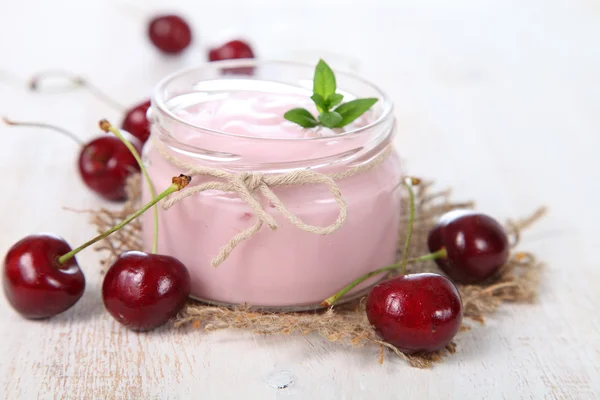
{"points": [[248, 186]]}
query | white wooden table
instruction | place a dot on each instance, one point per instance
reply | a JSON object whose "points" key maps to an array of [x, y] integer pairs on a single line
{"points": [[499, 99]]}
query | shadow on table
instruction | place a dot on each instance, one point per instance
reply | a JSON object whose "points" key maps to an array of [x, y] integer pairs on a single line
{"points": [[87, 309], [473, 345]]}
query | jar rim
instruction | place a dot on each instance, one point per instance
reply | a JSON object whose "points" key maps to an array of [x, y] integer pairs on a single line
{"points": [[157, 99]]}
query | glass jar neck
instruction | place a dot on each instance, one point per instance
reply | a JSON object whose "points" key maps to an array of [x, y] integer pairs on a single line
{"points": [[182, 135], [256, 154]]}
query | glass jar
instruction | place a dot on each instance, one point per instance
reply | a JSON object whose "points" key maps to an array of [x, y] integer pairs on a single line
{"points": [[286, 268]]}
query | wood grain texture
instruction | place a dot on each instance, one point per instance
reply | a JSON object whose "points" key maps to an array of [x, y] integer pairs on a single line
{"points": [[498, 99]]}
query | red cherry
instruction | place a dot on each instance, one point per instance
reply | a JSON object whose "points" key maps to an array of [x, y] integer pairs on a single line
{"points": [[35, 284], [477, 245], [105, 163], [136, 123], [170, 33], [415, 313], [231, 50], [143, 291]]}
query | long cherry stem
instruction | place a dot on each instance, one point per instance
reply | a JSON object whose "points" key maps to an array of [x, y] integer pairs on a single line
{"points": [[427, 257], [409, 182], [43, 125], [107, 127], [178, 183], [35, 84]]}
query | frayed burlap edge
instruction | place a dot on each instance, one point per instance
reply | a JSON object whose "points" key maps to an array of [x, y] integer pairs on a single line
{"points": [[347, 324]]}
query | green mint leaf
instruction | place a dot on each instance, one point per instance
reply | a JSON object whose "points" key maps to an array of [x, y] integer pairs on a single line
{"points": [[301, 117], [334, 99], [353, 109], [324, 80], [320, 102], [330, 119]]}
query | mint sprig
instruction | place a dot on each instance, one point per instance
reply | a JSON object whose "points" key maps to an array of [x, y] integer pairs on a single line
{"points": [[302, 117], [354, 109], [325, 98]]}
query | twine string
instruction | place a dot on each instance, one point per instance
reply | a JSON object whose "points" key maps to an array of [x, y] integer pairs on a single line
{"points": [[249, 185]]}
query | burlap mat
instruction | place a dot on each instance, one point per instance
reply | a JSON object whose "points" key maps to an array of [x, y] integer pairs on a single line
{"points": [[347, 324]]}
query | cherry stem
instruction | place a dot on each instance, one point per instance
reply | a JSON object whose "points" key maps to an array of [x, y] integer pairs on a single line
{"points": [[76, 81], [178, 183], [44, 126], [408, 182], [107, 127], [441, 253]]}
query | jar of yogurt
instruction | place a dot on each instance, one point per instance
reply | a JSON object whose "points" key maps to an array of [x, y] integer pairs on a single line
{"points": [[227, 118]]}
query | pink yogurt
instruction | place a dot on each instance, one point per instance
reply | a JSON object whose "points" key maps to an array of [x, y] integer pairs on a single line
{"points": [[245, 130]]}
